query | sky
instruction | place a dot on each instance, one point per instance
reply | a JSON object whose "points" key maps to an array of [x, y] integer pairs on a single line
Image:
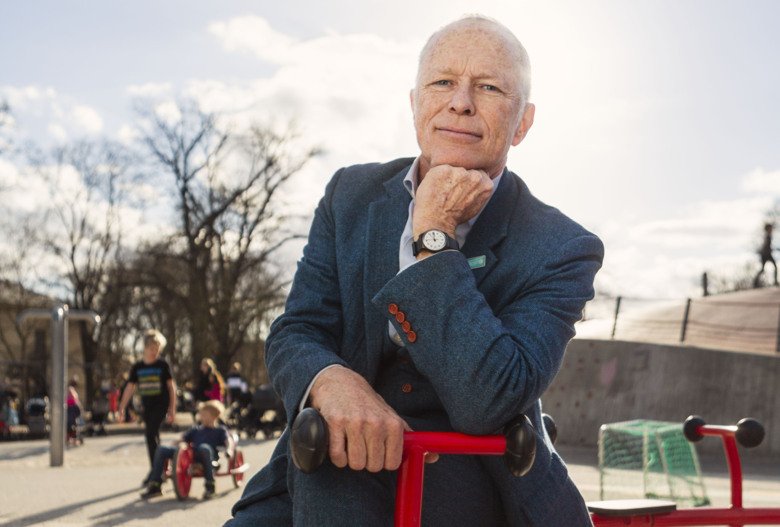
{"points": [[657, 122]]}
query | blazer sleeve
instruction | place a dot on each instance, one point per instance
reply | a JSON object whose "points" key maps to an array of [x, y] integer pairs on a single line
{"points": [[306, 338], [488, 367]]}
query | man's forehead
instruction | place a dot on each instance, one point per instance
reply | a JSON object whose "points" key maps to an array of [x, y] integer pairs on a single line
{"points": [[485, 55]]}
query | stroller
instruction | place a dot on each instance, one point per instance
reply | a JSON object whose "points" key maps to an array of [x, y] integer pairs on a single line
{"points": [[263, 412], [36, 410], [98, 416]]}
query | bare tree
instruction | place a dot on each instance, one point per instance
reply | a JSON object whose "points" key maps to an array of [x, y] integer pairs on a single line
{"points": [[84, 235], [21, 344], [227, 187]]}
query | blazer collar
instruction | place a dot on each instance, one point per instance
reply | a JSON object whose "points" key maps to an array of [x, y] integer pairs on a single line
{"points": [[492, 225]]}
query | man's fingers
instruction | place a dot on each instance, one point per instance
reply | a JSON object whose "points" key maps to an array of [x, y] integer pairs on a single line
{"points": [[356, 448], [337, 449], [394, 446], [375, 448]]}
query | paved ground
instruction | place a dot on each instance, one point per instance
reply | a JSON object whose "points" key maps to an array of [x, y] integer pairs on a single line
{"points": [[99, 484]]}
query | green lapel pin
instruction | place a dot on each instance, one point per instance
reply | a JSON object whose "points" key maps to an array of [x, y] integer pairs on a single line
{"points": [[477, 262]]}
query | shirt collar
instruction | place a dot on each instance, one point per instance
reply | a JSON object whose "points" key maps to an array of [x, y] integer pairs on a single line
{"points": [[410, 184]]}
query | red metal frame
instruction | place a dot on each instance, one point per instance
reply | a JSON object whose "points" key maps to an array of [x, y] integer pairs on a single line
{"points": [[416, 444], [187, 468]]}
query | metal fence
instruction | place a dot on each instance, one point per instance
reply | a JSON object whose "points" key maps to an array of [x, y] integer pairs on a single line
{"points": [[706, 322]]}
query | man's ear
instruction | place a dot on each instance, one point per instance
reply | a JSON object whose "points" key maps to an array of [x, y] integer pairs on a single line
{"points": [[411, 99], [525, 123]]}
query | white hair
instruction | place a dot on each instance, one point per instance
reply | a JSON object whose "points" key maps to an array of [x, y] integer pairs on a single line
{"points": [[518, 52]]}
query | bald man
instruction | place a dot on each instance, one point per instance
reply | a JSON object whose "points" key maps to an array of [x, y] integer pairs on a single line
{"points": [[435, 293]]}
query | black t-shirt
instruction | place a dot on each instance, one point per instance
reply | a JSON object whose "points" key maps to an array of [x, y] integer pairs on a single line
{"points": [[151, 382]]}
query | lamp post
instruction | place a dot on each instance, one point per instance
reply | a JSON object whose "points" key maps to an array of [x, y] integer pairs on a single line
{"points": [[59, 315]]}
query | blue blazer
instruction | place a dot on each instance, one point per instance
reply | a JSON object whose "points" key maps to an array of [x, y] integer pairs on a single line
{"points": [[489, 339]]}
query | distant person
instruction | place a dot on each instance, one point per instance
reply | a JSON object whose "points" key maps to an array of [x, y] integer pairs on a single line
{"points": [[74, 411], [100, 409], [211, 385], [765, 253], [236, 384], [152, 377], [205, 438]]}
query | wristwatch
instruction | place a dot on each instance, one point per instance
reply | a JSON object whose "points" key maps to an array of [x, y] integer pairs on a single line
{"points": [[434, 241]]}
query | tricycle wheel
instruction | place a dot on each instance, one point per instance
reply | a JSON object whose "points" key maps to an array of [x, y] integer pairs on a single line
{"points": [[237, 462], [182, 479]]}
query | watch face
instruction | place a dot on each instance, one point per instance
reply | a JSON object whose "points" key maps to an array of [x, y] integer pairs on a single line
{"points": [[434, 240]]}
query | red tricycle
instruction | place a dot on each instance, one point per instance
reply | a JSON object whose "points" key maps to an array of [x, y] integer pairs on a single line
{"points": [[183, 467], [309, 446]]}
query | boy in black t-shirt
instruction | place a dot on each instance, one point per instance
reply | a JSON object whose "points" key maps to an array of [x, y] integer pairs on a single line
{"points": [[204, 438], [154, 382]]}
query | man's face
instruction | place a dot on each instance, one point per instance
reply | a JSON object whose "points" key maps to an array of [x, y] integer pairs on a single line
{"points": [[467, 102]]}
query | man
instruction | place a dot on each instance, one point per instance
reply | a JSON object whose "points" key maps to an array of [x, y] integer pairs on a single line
{"points": [[433, 294], [152, 376], [205, 439]]}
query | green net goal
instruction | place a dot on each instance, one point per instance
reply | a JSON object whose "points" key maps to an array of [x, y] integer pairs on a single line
{"points": [[649, 459]]}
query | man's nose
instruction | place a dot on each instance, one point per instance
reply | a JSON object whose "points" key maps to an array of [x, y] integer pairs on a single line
{"points": [[462, 102]]}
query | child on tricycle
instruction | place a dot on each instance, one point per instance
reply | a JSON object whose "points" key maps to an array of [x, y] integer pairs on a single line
{"points": [[204, 440]]}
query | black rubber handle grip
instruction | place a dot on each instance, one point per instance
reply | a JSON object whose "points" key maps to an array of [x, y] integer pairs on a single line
{"points": [[691, 428], [750, 433], [520, 446], [309, 441]]}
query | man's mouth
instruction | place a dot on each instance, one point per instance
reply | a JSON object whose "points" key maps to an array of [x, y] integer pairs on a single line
{"points": [[459, 133]]}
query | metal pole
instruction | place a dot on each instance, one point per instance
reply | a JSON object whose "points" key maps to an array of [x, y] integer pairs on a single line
{"points": [[617, 311], [59, 316], [59, 371], [685, 320]]}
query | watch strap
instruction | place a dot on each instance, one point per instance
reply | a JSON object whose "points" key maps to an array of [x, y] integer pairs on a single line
{"points": [[449, 243]]}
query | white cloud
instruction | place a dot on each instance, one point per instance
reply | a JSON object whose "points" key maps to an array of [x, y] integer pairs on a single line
{"points": [[255, 35], [665, 257], [127, 134], [8, 174], [87, 118], [150, 89], [42, 111], [168, 111], [760, 180], [58, 132]]}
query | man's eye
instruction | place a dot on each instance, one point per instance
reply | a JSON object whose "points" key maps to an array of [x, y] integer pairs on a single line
{"points": [[489, 87], [442, 83]]}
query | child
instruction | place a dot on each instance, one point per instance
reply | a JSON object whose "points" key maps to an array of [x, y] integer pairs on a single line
{"points": [[205, 438], [152, 376]]}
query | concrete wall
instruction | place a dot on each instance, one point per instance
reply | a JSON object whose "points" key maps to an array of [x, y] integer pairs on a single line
{"points": [[603, 381]]}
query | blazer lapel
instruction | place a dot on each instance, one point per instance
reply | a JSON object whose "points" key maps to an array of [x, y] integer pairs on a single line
{"points": [[386, 220], [492, 225]]}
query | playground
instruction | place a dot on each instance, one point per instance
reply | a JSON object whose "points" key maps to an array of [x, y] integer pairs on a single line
{"points": [[99, 483]]}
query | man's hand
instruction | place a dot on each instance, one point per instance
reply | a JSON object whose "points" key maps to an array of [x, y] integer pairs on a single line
{"points": [[365, 432], [449, 196]]}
